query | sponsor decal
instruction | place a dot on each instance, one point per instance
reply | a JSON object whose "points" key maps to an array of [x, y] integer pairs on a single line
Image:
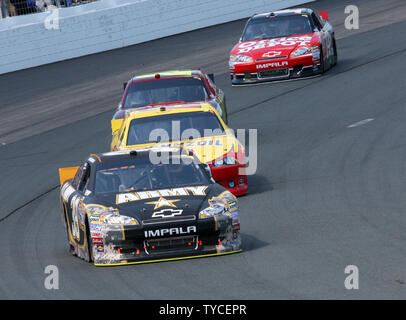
{"points": [[100, 248], [166, 213], [93, 218], [211, 142], [273, 65], [94, 227], [162, 202], [285, 42], [232, 203], [174, 192], [233, 209], [316, 55], [169, 232], [97, 240]]}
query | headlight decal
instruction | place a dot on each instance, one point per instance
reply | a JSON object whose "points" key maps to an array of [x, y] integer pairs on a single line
{"points": [[303, 51], [241, 59], [228, 159], [113, 219], [223, 204], [212, 211]]}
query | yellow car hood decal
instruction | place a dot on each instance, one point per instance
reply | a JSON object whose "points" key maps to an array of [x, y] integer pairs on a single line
{"points": [[207, 149]]}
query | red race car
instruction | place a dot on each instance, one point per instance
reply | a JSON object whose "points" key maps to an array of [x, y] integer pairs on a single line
{"points": [[171, 87], [283, 45]]}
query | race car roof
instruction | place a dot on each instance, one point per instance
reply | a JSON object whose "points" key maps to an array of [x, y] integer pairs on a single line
{"points": [[117, 156], [167, 109], [286, 12], [167, 74]]}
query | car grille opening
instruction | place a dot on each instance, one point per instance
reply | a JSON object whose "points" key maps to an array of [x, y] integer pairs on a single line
{"points": [[168, 220], [273, 73], [169, 244]]}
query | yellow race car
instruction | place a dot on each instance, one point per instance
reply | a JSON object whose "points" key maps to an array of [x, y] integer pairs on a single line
{"points": [[197, 127]]}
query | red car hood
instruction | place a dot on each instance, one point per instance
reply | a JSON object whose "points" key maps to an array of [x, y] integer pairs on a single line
{"points": [[275, 47]]}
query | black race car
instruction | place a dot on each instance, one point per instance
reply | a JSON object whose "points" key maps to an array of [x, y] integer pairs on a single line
{"points": [[126, 207]]}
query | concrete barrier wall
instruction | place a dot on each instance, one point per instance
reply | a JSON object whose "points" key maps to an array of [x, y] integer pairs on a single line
{"points": [[36, 39]]}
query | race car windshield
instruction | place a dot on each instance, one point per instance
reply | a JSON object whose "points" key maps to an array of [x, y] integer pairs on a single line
{"points": [[189, 89], [276, 27], [143, 175], [174, 127]]}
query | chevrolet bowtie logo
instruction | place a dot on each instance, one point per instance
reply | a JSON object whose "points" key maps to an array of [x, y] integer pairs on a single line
{"points": [[166, 213], [272, 54], [162, 202]]}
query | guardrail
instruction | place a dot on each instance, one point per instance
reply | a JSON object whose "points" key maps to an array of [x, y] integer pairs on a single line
{"points": [[36, 39]]}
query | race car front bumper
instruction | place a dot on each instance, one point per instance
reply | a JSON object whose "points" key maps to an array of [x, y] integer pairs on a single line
{"points": [[171, 239], [275, 69], [274, 75]]}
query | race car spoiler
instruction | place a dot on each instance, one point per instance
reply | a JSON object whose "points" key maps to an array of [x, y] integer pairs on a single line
{"points": [[324, 15], [66, 174]]}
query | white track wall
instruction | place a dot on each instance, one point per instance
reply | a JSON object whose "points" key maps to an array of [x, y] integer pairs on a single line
{"points": [[109, 24]]}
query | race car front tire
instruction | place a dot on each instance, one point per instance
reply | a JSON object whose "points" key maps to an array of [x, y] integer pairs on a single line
{"points": [[90, 257], [322, 61], [335, 52]]}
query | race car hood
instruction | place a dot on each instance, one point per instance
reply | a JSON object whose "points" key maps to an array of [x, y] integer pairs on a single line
{"points": [[153, 205], [206, 149], [276, 47]]}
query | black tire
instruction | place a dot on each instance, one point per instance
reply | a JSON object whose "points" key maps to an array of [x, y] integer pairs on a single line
{"points": [[322, 62], [335, 52], [89, 245], [71, 247], [225, 110]]}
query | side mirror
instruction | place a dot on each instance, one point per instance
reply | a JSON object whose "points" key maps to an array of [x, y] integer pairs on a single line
{"points": [[324, 15], [211, 76], [125, 85], [206, 167]]}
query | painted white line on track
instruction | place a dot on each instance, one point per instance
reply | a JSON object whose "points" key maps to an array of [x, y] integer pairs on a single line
{"points": [[360, 123]]}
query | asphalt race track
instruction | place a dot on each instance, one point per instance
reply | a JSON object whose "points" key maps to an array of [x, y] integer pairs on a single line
{"points": [[329, 190]]}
